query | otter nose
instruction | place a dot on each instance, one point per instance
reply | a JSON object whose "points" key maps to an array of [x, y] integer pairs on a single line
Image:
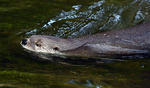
{"points": [[24, 42]]}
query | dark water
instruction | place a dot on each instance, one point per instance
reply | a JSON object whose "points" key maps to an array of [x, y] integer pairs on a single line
{"points": [[68, 18]]}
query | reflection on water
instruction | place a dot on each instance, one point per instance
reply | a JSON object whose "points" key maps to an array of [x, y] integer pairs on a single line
{"points": [[86, 83], [68, 18], [100, 15]]}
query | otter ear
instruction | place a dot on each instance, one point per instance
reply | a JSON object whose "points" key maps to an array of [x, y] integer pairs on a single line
{"points": [[55, 48]]}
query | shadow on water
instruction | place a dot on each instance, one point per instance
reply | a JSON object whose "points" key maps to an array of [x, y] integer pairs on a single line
{"points": [[68, 18]]}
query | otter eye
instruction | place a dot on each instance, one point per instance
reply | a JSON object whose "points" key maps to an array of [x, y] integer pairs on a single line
{"points": [[39, 45], [56, 48]]}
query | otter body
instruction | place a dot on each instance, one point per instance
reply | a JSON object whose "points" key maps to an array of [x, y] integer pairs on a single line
{"points": [[126, 42]]}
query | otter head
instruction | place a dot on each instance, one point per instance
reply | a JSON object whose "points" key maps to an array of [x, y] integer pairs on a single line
{"points": [[49, 44]]}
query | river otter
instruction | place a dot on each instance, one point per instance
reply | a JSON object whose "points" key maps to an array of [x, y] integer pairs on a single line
{"points": [[126, 42]]}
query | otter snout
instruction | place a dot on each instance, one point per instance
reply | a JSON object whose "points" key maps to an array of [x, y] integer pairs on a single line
{"points": [[24, 42]]}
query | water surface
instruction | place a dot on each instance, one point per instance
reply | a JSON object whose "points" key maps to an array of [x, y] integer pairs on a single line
{"points": [[68, 18]]}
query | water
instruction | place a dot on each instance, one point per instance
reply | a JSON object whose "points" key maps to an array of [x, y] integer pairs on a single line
{"points": [[68, 18]]}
